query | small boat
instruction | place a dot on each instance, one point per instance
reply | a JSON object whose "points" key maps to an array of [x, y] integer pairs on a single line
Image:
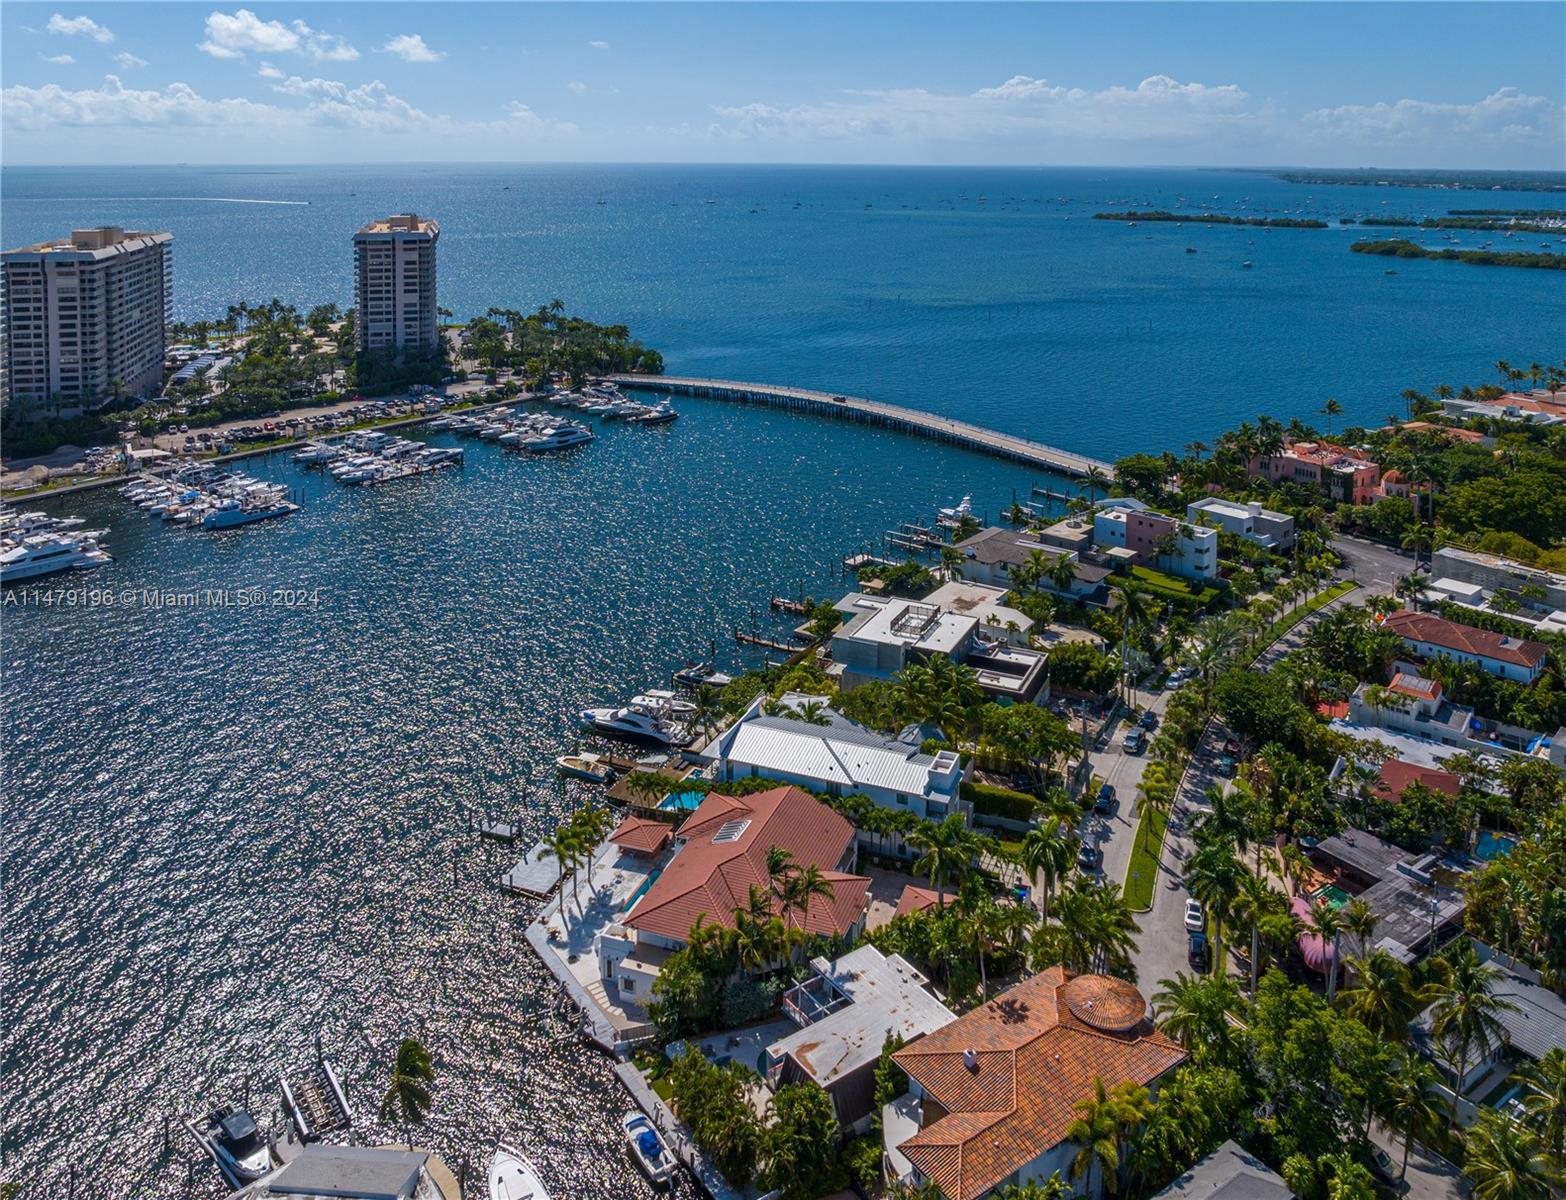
{"points": [[700, 674], [586, 766], [1247, 264], [237, 1144], [1190, 249], [647, 1149], [513, 1177]]}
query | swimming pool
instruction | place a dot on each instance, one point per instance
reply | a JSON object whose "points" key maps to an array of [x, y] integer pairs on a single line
{"points": [[682, 801], [1335, 896], [1492, 845], [641, 891]]}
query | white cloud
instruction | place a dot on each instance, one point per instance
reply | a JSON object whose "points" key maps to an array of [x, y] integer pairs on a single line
{"points": [[129, 61], [232, 35], [369, 105], [410, 48], [79, 27], [60, 60], [267, 71], [1505, 116], [598, 45], [1022, 108], [51, 107], [576, 85]]}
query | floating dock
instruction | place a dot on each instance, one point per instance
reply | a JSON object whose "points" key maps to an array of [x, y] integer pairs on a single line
{"points": [[536, 875], [873, 412]]}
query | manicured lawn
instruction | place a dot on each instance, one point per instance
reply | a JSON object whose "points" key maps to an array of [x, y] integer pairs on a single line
{"points": [[1142, 873], [1285, 623], [1167, 585]]}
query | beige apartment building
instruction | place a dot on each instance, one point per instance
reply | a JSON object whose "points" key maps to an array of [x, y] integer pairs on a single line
{"points": [[86, 320], [394, 284]]}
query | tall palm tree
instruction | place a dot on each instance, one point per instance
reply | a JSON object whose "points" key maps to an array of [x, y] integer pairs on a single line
{"points": [[1213, 875], [805, 885], [1327, 924], [1409, 1102], [1197, 1011], [1062, 572], [1360, 920], [946, 852], [1465, 1019], [1095, 481], [708, 707], [1505, 1161], [1330, 410], [1411, 586], [407, 1100], [1048, 851], [1096, 1134], [1254, 903]]}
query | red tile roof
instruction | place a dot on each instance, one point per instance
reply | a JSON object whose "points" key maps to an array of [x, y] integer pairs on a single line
{"points": [[1395, 775], [641, 834], [1037, 1048], [1416, 686], [1465, 639], [917, 899], [725, 855]]}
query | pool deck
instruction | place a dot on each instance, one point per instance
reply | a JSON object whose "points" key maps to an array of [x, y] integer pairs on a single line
{"points": [[563, 938]]}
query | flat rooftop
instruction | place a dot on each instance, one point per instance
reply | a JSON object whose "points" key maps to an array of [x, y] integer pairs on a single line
{"points": [[102, 242], [401, 223]]}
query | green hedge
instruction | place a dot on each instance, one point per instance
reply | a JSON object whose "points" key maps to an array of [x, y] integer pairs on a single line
{"points": [[991, 801]]}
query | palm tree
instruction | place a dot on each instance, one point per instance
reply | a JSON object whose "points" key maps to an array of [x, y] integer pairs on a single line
{"points": [[1505, 1161], [1255, 902], [407, 1100], [946, 852], [1410, 587], [1385, 999], [812, 712], [1062, 572], [1198, 1012], [1464, 1020], [1409, 1102], [1095, 481], [708, 707], [780, 865], [567, 849], [1213, 875], [1330, 410], [1327, 924], [1544, 1102], [805, 885], [1416, 541], [1096, 1133], [1048, 851]]}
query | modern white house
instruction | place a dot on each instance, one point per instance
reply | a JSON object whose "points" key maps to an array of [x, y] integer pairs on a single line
{"points": [[1415, 707], [839, 758], [1496, 573], [883, 635], [1246, 519], [845, 1011], [1178, 547]]}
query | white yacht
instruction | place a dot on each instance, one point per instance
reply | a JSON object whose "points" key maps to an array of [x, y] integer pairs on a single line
{"points": [[513, 1177], [230, 513], [665, 703], [315, 453], [44, 554], [631, 721], [559, 438]]}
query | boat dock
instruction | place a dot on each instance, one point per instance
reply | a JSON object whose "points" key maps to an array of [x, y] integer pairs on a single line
{"points": [[874, 412], [535, 875]]}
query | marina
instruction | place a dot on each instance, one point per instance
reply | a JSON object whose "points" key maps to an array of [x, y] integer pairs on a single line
{"points": [[205, 496], [34, 545]]}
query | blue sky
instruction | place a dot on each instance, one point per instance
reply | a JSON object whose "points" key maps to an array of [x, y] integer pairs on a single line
{"points": [[1402, 84]]}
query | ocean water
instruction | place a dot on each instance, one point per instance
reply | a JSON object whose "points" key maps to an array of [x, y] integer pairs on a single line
{"points": [[988, 294], [229, 829]]}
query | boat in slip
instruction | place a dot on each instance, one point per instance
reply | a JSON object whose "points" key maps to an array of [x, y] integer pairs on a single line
{"points": [[230, 514], [559, 438], [316, 453], [45, 554], [697, 675], [640, 721], [659, 414], [647, 1148], [513, 1177], [230, 1135], [587, 766]]}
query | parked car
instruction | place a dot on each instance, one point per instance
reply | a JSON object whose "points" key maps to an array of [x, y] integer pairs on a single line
{"points": [[1135, 740], [1196, 953], [1088, 856], [1104, 802], [1148, 720], [1195, 916], [1385, 1167]]}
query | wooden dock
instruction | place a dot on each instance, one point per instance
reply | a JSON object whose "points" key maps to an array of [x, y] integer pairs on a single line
{"points": [[874, 412], [536, 875]]}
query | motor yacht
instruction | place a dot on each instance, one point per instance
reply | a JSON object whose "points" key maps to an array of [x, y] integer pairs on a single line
{"points": [[231, 513], [238, 1145], [633, 722], [559, 438], [46, 554]]}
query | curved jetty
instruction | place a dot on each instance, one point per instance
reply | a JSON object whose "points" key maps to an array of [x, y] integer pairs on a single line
{"points": [[873, 412]]}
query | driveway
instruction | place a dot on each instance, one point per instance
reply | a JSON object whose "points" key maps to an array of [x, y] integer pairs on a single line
{"points": [[1375, 567]]}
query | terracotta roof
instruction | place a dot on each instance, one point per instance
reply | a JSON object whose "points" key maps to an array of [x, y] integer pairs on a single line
{"points": [[1034, 1058], [641, 834], [1395, 775], [917, 899], [725, 854], [1449, 635], [1416, 686]]}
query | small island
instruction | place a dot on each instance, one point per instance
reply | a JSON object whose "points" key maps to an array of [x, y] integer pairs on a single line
{"points": [[1402, 248], [1213, 219], [1486, 181]]}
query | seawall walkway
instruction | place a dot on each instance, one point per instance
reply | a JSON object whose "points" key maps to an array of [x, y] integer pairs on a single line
{"points": [[873, 412]]}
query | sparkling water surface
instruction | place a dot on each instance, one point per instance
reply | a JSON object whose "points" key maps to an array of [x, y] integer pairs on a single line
{"points": [[228, 829]]}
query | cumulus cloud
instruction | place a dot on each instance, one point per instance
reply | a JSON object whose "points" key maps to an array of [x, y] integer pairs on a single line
{"points": [[267, 71], [576, 85], [52, 107], [598, 45], [1505, 116], [79, 27], [332, 102], [128, 61], [232, 35], [62, 60], [410, 48], [1022, 107]]}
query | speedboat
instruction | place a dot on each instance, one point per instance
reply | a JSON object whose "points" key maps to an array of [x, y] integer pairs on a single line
{"points": [[585, 766], [698, 674], [237, 1144], [513, 1177], [647, 1148]]}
